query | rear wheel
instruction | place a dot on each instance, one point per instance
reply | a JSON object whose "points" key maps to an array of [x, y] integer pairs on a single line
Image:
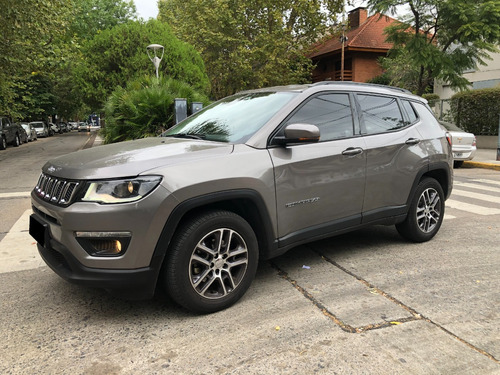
{"points": [[17, 141], [211, 262], [425, 214]]}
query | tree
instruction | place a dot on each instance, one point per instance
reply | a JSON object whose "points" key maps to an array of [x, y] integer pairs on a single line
{"points": [[247, 43], [115, 56], [442, 39], [30, 29], [92, 16]]}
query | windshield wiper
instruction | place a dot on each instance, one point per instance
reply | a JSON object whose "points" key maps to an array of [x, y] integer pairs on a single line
{"points": [[186, 135]]}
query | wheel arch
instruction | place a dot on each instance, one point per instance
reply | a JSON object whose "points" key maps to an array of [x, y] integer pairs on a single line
{"points": [[438, 171], [246, 203]]}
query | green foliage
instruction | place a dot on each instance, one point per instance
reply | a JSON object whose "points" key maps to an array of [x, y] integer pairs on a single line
{"points": [[441, 39], [477, 111], [145, 108], [248, 44], [92, 16], [39, 46], [382, 79], [115, 56], [29, 44], [431, 97]]}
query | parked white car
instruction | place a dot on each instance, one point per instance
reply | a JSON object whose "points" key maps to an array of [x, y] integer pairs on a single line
{"points": [[30, 131], [463, 144]]}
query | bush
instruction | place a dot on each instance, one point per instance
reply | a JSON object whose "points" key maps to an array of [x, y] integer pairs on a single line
{"points": [[145, 108], [477, 111], [431, 97]]}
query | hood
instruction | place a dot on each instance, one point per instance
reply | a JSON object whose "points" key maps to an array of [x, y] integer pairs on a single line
{"points": [[132, 158]]}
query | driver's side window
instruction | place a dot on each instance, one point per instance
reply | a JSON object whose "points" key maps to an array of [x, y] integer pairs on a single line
{"points": [[331, 113]]}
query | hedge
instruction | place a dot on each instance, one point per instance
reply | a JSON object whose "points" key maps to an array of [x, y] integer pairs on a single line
{"points": [[477, 111]]}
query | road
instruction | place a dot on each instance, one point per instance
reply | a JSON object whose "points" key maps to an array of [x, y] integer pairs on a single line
{"points": [[362, 303]]}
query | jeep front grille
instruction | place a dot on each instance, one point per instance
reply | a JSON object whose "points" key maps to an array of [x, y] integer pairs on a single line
{"points": [[56, 190]]}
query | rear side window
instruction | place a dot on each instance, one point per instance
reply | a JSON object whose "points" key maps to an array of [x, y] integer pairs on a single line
{"points": [[410, 111], [331, 113], [380, 113]]}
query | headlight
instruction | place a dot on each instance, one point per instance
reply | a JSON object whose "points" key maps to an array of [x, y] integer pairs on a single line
{"points": [[120, 191]]}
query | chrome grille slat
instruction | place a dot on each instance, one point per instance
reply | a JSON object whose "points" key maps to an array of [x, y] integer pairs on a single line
{"points": [[56, 190]]}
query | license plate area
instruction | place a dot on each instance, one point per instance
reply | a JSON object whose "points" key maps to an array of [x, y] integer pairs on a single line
{"points": [[38, 230]]}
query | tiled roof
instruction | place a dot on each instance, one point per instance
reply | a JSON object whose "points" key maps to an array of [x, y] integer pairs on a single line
{"points": [[368, 35]]}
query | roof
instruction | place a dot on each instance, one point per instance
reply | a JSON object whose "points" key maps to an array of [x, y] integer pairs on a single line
{"points": [[367, 36]]}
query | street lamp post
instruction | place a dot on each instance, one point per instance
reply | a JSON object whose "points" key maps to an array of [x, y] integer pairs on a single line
{"points": [[154, 50]]}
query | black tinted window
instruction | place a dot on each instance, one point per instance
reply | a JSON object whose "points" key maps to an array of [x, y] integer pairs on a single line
{"points": [[410, 111], [331, 113], [380, 113]]}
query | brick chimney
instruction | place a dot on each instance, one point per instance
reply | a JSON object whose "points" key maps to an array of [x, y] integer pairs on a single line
{"points": [[357, 16]]}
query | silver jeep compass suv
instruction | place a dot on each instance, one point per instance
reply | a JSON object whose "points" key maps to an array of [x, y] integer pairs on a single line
{"points": [[249, 177]]}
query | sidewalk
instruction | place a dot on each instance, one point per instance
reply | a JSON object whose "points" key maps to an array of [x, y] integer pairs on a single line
{"points": [[484, 158]]}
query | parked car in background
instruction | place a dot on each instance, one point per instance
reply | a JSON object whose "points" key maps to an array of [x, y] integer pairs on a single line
{"points": [[63, 127], [463, 144], [42, 130], [83, 127], [30, 131], [22, 133], [72, 125], [54, 128], [10, 133]]}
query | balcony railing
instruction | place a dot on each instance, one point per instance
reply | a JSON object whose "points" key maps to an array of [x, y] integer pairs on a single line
{"points": [[332, 76]]}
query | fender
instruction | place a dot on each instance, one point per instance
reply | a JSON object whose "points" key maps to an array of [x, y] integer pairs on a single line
{"points": [[257, 216]]}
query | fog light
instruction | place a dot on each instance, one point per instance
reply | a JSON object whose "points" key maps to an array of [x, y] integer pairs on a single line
{"points": [[104, 244]]}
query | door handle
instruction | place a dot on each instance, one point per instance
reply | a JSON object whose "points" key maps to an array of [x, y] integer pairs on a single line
{"points": [[412, 141], [351, 151]]}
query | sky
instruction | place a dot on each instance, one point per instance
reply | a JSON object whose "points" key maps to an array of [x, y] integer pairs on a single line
{"points": [[147, 8]]}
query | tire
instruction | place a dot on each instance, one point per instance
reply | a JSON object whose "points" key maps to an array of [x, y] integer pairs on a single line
{"points": [[458, 163], [3, 143], [425, 214], [17, 141], [201, 273]]}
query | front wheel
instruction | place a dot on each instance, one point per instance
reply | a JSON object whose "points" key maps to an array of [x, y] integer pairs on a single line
{"points": [[3, 143], [17, 141], [425, 214], [211, 262]]}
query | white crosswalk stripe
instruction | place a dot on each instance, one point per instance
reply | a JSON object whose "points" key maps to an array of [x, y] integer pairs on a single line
{"points": [[482, 197], [472, 208], [477, 187], [488, 199], [483, 181]]}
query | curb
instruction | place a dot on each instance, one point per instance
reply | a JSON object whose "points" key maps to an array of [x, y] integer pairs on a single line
{"points": [[477, 164]]}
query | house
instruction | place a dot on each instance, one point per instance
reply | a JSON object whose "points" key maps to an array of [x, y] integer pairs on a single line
{"points": [[365, 44]]}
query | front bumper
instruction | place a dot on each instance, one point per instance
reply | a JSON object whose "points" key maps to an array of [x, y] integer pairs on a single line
{"points": [[130, 284], [133, 274]]}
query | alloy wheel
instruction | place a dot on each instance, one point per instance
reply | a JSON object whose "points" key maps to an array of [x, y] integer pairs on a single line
{"points": [[218, 263], [428, 210]]}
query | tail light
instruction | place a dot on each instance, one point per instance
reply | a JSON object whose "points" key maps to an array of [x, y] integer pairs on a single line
{"points": [[448, 138], [474, 141]]}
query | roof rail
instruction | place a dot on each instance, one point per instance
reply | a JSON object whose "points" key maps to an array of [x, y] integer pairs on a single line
{"points": [[361, 84]]}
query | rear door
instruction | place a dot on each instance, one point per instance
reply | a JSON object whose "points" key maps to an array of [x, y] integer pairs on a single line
{"points": [[394, 154], [320, 186]]}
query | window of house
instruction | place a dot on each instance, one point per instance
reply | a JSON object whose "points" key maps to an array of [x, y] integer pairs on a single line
{"points": [[380, 113], [331, 113]]}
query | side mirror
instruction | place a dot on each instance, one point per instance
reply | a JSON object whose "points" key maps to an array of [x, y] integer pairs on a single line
{"points": [[298, 133]]}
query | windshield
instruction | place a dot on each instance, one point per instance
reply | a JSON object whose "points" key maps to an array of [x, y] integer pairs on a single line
{"points": [[37, 124], [234, 119]]}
